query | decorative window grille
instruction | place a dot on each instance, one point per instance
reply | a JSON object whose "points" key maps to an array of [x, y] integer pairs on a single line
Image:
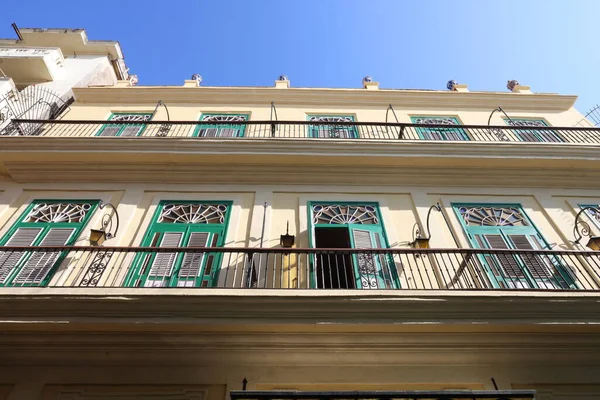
{"points": [[193, 213], [492, 216], [344, 214]]}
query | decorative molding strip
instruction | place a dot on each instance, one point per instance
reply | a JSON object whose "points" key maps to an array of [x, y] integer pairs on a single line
{"points": [[427, 99], [124, 392]]}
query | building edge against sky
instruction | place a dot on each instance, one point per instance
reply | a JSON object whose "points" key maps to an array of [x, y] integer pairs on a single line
{"points": [[238, 167]]}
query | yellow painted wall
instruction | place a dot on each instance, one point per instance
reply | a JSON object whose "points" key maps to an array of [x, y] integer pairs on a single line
{"points": [[192, 112]]}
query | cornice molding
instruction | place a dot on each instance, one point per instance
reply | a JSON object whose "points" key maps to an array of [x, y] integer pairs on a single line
{"points": [[299, 161], [281, 307], [429, 99]]}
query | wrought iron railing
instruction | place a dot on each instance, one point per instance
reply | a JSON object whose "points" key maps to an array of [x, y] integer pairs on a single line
{"points": [[301, 129], [384, 395], [276, 268]]}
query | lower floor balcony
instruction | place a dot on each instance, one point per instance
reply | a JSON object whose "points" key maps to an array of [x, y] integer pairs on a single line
{"points": [[296, 268]]}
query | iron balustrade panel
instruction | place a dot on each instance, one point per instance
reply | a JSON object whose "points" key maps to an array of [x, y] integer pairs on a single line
{"points": [[384, 395], [301, 130], [324, 269]]}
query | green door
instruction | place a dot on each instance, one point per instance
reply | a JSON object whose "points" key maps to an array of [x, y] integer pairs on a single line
{"points": [[372, 271], [333, 130], [124, 130], [44, 223], [505, 226], [439, 133], [355, 226], [186, 224], [533, 135], [235, 126]]}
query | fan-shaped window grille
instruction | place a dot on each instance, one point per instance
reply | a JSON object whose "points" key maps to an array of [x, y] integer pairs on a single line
{"points": [[344, 214], [193, 213], [493, 216]]}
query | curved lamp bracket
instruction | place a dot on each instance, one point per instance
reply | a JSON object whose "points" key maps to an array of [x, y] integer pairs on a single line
{"points": [[107, 220], [110, 226], [582, 228], [421, 239]]}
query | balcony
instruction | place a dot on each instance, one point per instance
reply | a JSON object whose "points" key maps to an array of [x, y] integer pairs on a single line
{"points": [[296, 269], [302, 130]]}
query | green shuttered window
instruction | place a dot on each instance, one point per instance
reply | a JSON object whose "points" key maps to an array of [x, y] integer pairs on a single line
{"points": [[506, 226], [44, 223], [182, 224], [124, 130]]}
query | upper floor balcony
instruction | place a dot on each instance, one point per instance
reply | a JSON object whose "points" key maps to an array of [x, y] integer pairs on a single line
{"points": [[323, 128], [232, 149]]}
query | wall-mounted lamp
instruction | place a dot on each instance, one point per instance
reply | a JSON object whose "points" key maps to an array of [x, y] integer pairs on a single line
{"points": [[421, 241], [499, 109], [287, 241], [164, 129], [582, 229], [98, 236]]}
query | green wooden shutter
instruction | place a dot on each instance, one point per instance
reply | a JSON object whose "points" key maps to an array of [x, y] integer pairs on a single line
{"points": [[534, 263], [9, 260], [367, 268], [39, 264], [130, 130], [508, 262], [209, 132], [110, 130], [192, 262], [162, 266]]}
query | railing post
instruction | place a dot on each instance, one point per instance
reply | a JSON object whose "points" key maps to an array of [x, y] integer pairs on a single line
{"points": [[401, 134]]}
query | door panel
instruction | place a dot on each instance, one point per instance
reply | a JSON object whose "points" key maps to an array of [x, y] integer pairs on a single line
{"points": [[372, 270], [163, 263]]}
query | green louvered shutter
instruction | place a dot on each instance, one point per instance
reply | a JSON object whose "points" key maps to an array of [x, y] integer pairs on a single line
{"points": [[10, 259], [39, 264], [192, 262], [533, 263], [163, 263], [110, 130]]}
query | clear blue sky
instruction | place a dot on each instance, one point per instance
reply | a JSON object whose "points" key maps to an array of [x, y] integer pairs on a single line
{"points": [[550, 45]]}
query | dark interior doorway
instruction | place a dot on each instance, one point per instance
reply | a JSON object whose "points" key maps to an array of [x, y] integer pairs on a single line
{"points": [[334, 271]]}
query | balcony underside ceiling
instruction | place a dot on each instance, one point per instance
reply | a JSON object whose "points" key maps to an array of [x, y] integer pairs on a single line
{"points": [[220, 328], [40, 159]]}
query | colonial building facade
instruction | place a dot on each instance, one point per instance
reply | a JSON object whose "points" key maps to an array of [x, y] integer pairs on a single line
{"points": [[186, 242]]}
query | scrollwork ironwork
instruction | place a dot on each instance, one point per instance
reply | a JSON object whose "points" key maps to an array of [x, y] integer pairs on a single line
{"points": [[344, 214], [193, 213], [582, 229], [97, 268], [58, 212], [492, 216]]}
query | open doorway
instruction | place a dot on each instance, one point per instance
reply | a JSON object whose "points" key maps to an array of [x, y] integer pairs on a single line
{"points": [[334, 271]]}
